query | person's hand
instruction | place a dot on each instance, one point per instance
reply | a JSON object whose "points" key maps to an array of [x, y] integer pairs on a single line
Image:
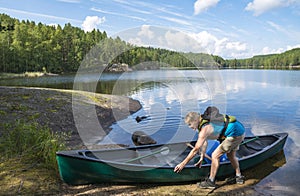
{"points": [[199, 163], [179, 167]]}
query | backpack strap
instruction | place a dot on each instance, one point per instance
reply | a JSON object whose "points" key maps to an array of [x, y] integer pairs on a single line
{"points": [[222, 134]]}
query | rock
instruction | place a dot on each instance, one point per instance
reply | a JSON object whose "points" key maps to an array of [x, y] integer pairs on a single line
{"points": [[141, 138], [118, 67]]}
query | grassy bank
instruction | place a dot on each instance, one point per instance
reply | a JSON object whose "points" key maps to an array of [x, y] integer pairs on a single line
{"points": [[37, 122], [28, 159]]}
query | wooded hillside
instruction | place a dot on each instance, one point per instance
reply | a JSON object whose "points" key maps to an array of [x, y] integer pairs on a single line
{"points": [[287, 60], [27, 46]]}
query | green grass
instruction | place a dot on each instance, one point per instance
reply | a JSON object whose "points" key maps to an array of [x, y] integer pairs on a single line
{"points": [[2, 113], [28, 159], [38, 144]]}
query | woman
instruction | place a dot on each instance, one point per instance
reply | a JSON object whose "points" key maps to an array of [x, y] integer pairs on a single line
{"points": [[213, 125]]}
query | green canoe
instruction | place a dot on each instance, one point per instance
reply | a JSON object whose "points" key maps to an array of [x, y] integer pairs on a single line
{"points": [[155, 163]]}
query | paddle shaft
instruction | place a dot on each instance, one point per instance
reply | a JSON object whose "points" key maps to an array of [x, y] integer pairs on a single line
{"points": [[147, 155]]}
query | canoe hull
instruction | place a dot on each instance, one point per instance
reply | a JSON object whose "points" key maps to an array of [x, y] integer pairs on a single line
{"points": [[78, 170]]}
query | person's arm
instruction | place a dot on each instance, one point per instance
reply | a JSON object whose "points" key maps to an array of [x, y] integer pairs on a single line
{"points": [[202, 154], [200, 141]]}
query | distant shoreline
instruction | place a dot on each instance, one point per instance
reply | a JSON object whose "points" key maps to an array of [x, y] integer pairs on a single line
{"points": [[41, 74], [26, 74]]}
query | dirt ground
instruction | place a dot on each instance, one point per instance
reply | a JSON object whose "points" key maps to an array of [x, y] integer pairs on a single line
{"points": [[54, 109]]}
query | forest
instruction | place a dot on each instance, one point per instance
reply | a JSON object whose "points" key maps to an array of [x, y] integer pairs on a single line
{"points": [[29, 47]]}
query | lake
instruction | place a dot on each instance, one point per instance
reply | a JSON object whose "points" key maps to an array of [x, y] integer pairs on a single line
{"points": [[265, 101]]}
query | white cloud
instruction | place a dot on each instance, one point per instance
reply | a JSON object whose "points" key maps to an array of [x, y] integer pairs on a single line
{"points": [[219, 46], [268, 50], [292, 47], [176, 20], [202, 42], [178, 41], [145, 31], [236, 46], [118, 14], [275, 26], [92, 22], [288, 32], [137, 41], [203, 5], [261, 6], [33, 14], [204, 38], [143, 37]]}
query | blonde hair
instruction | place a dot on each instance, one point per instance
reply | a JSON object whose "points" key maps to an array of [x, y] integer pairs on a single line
{"points": [[191, 116]]}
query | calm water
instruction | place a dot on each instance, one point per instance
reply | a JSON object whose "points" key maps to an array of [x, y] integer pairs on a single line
{"points": [[265, 101]]}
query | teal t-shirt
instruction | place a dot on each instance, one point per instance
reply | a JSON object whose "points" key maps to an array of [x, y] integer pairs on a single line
{"points": [[233, 129]]}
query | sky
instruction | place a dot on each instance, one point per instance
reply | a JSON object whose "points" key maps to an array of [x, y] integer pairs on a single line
{"points": [[230, 29]]}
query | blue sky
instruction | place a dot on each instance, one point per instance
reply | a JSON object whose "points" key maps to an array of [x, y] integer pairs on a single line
{"points": [[230, 29]]}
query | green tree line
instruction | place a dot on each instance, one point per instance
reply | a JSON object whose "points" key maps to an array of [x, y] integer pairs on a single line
{"points": [[27, 46], [287, 60]]}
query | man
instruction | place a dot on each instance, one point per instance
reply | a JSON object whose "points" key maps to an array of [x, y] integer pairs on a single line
{"points": [[213, 125]]}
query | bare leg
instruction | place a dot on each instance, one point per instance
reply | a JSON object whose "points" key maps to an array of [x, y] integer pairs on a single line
{"points": [[215, 163], [234, 162]]}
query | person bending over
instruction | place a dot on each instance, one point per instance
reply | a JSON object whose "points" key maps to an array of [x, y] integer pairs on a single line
{"points": [[213, 125]]}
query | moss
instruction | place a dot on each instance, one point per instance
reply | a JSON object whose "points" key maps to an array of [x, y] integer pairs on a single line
{"points": [[34, 116], [49, 99], [26, 97], [19, 107], [52, 111], [2, 113]]}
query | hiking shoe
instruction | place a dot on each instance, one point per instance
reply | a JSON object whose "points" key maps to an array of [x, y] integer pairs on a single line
{"points": [[231, 180], [207, 184], [240, 179], [235, 180]]}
